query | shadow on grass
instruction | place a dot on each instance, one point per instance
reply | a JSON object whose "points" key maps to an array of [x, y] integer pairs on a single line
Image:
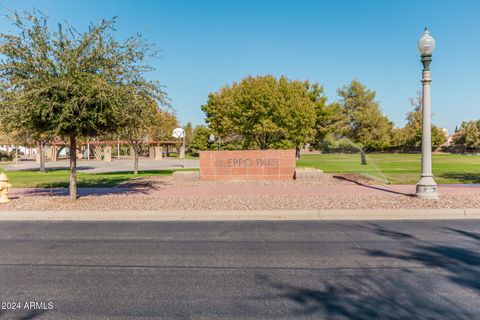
{"points": [[465, 177], [406, 293], [104, 183], [110, 182]]}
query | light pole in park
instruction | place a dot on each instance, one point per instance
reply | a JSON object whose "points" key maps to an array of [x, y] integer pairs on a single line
{"points": [[426, 186], [211, 139]]}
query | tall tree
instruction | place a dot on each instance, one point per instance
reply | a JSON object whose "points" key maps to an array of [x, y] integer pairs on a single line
{"points": [[201, 140], [410, 136], [472, 135], [369, 127], [138, 114], [188, 133], [65, 81], [164, 123], [264, 112], [331, 125], [468, 135], [16, 124]]}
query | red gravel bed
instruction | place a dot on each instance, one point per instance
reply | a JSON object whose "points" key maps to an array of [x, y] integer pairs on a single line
{"points": [[160, 193]]}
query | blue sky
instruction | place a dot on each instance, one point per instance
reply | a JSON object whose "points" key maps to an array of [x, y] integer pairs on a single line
{"points": [[207, 44]]}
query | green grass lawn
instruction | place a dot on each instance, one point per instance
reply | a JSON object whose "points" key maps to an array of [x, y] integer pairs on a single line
{"points": [[398, 168], [60, 178], [391, 168]]}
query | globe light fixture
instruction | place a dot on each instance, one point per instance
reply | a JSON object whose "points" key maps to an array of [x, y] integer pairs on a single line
{"points": [[426, 44], [426, 186], [211, 138]]}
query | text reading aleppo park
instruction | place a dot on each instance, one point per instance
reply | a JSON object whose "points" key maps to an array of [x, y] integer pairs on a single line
{"points": [[126, 197]]}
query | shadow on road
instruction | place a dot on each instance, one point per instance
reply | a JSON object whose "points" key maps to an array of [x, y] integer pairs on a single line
{"points": [[380, 294], [365, 296], [462, 265], [19, 315]]}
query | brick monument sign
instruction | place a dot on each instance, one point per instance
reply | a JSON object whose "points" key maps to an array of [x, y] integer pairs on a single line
{"points": [[247, 165]]}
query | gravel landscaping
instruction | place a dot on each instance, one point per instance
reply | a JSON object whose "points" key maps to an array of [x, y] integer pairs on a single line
{"points": [[138, 202], [138, 197]]}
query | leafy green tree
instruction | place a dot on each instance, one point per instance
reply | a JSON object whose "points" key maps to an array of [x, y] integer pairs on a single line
{"points": [[16, 128], [331, 124], [472, 135], [369, 127], [67, 82], [188, 133], [137, 115], [164, 123], [468, 135], [264, 112], [298, 114], [410, 136], [438, 137], [201, 140]]}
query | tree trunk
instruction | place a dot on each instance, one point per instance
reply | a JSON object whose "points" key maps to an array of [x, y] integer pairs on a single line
{"points": [[135, 156], [73, 168], [363, 158], [41, 150], [263, 144], [297, 153]]}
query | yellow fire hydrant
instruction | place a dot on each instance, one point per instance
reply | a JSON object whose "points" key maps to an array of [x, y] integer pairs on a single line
{"points": [[4, 188]]}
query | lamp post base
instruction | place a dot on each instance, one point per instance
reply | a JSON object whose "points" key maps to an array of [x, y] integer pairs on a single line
{"points": [[427, 188]]}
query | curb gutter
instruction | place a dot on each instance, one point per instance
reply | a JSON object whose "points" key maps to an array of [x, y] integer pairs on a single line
{"points": [[243, 215]]}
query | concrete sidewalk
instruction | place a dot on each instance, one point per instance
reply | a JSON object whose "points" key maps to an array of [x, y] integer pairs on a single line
{"points": [[233, 215], [98, 166]]}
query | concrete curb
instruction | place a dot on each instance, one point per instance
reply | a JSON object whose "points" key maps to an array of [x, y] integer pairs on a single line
{"points": [[243, 215], [394, 214], [473, 213]]}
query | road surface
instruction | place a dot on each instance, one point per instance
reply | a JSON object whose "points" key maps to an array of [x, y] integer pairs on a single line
{"points": [[240, 270]]}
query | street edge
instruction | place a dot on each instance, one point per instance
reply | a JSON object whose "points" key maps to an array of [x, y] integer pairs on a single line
{"points": [[243, 215]]}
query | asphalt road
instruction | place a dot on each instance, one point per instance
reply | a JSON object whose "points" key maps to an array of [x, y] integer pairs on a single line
{"points": [[240, 270]]}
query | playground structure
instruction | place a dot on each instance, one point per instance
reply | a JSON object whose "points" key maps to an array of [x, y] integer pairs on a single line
{"points": [[93, 150]]}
